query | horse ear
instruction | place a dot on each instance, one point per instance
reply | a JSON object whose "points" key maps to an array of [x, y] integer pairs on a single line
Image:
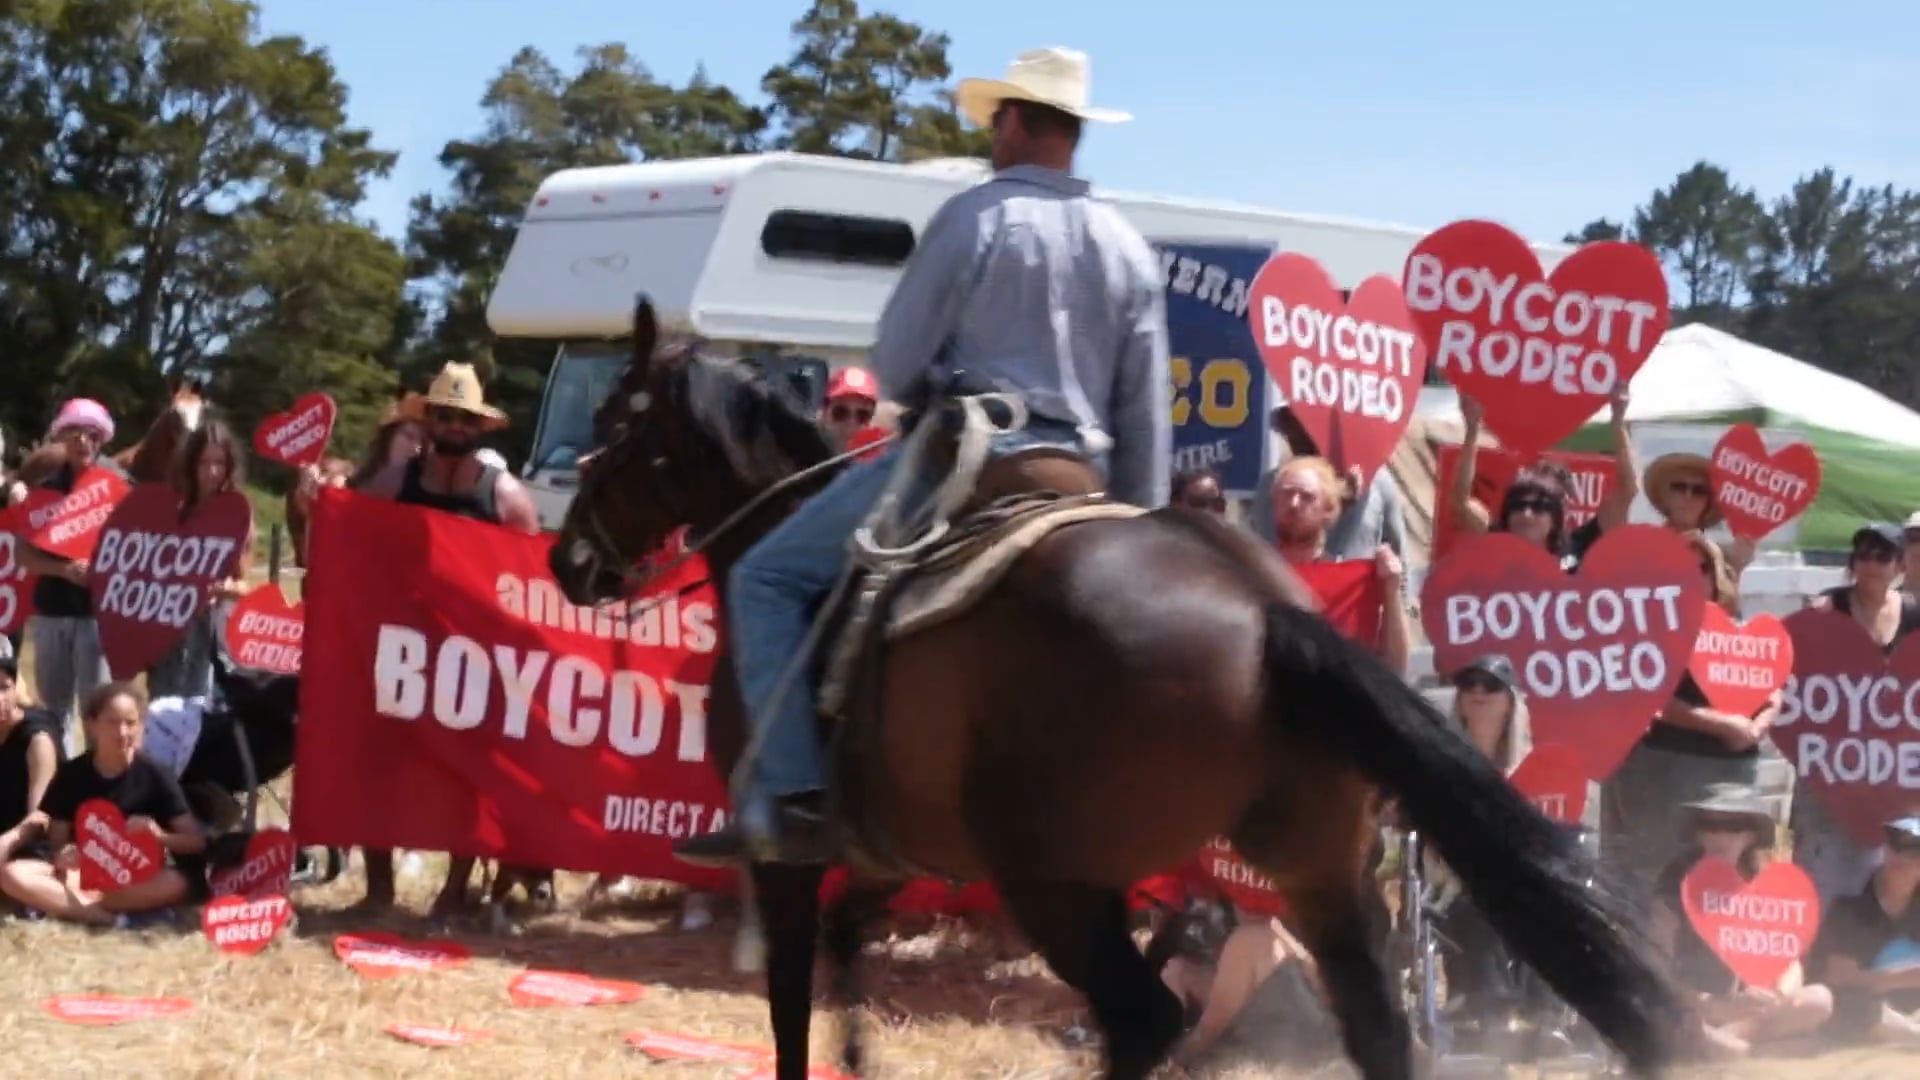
{"points": [[646, 334]]}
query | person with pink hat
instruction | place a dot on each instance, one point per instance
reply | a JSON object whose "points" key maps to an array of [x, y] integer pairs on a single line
{"points": [[67, 661], [852, 397]]}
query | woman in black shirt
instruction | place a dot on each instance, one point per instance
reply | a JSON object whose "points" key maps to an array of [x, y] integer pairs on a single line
{"points": [[147, 796], [29, 757]]}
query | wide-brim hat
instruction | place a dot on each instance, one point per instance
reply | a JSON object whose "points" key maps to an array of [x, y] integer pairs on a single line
{"points": [[1655, 478], [456, 387], [1054, 77], [1730, 800]]}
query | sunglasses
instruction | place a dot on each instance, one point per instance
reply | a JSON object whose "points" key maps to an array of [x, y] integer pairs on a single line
{"points": [[1724, 823], [1695, 488], [441, 414], [87, 433], [841, 414], [1480, 684], [1534, 504], [1215, 503]]}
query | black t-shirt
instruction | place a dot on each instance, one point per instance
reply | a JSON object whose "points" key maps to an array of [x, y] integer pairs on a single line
{"points": [[1578, 543], [145, 789], [1840, 597], [1679, 740], [1694, 963], [1859, 928], [13, 763]]}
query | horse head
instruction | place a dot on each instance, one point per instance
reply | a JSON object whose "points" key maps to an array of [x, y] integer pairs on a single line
{"points": [[687, 440], [150, 459]]}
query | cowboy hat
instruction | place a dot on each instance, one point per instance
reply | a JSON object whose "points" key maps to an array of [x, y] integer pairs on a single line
{"points": [[456, 387], [1054, 77], [1730, 800], [1668, 467]]}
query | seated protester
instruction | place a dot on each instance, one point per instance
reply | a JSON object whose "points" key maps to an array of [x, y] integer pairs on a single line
{"points": [[29, 757], [1868, 950], [1253, 998], [1732, 824], [151, 801]]}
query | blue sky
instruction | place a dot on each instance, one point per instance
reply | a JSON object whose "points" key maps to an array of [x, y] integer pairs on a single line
{"points": [[1541, 114]]}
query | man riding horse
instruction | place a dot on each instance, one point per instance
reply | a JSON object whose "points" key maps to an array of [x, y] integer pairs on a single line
{"points": [[1027, 284]]}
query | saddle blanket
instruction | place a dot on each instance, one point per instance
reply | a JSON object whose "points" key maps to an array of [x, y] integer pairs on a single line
{"points": [[172, 731]]}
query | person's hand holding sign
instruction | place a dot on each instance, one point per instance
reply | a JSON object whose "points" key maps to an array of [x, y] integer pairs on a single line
{"points": [[76, 571], [1388, 566]]}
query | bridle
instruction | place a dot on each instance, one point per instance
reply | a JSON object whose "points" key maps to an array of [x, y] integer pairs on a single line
{"points": [[595, 548]]}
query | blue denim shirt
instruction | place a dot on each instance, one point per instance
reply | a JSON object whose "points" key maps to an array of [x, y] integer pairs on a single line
{"points": [[1029, 280]]}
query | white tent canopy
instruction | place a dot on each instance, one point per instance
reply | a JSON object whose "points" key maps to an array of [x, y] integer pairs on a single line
{"points": [[1697, 371]]}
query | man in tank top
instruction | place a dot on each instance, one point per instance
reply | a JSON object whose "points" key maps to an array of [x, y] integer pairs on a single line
{"points": [[449, 476]]}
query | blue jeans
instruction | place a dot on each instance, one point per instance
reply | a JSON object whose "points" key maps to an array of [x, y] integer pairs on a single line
{"points": [[771, 594]]}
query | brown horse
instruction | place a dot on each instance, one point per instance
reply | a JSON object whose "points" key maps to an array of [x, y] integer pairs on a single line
{"points": [[1128, 690], [147, 461]]}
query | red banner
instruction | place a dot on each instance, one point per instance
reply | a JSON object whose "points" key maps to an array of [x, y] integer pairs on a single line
{"points": [[452, 700], [1495, 468]]}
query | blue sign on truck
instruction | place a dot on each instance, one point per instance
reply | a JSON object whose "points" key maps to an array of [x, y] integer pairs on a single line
{"points": [[1219, 384]]}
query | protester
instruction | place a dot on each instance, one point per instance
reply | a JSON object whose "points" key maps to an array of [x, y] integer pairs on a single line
{"points": [[211, 462], [67, 661], [30, 755], [1838, 866], [1371, 513], [449, 478], [147, 796], [1690, 747], [1732, 824], [1198, 489], [398, 440], [1306, 503], [1868, 950], [1253, 997], [1680, 487], [853, 396], [1534, 506]]}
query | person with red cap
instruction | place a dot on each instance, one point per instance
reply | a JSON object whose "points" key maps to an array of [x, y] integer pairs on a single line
{"points": [[852, 397]]}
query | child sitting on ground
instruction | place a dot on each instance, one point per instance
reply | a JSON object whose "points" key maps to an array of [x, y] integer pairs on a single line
{"points": [[147, 796]]}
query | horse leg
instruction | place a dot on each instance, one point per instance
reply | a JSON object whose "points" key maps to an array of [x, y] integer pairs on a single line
{"points": [[1081, 931], [789, 901], [749, 941], [846, 933]]}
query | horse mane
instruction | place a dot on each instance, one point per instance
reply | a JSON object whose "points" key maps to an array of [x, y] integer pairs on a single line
{"points": [[764, 429]]}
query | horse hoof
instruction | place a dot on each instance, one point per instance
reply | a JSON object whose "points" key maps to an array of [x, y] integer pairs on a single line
{"points": [[749, 953]]}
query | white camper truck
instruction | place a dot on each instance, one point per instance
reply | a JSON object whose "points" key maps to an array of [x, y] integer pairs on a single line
{"points": [[786, 258]]}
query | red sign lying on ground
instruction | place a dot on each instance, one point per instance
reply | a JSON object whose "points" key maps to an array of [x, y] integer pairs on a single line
{"points": [[1541, 352], [105, 1009], [1757, 492], [243, 927], [437, 1037], [1350, 370], [379, 955]]}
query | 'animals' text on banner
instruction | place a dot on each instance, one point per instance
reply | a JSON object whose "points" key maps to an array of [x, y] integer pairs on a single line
{"points": [[443, 670]]}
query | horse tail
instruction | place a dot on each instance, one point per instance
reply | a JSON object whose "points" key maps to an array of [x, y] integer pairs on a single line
{"points": [[1528, 875]]}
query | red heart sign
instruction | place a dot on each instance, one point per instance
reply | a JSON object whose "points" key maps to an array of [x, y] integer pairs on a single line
{"points": [[382, 955], [243, 927], [264, 631], [69, 525], [1350, 370], [152, 571], [1248, 888], [1554, 778], [1850, 720], [532, 988], [661, 1046], [266, 871], [111, 858], [1739, 666], [423, 1035], [1541, 353], [1757, 928], [16, 585], [298, 436], [814, 1072], [1757, 492], [104, 1009], [1598, 654]]}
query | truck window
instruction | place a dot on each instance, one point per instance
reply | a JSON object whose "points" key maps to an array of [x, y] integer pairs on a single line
{"points": [[840, 238], [577, 386]]}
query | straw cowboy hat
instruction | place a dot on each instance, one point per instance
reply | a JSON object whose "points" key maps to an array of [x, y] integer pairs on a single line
{"points": [[1055, 77], [456, 387], [1730, 800], [1668, 467]]}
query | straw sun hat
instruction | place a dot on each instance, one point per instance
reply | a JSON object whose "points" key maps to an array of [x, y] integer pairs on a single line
{"points": [[1667, 468], [1054, 77], [456, 387]]}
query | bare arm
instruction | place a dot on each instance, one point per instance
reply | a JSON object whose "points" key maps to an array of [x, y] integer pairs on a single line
{"points": [[517, 510], [35, 561], [1396, 629], [184, 836], [1143, 409], [926, 302], [1626, 471], [1469, 516], [43, 761]]}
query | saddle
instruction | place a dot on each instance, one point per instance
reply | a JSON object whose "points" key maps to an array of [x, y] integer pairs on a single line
{"points": [[914, 571]]}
